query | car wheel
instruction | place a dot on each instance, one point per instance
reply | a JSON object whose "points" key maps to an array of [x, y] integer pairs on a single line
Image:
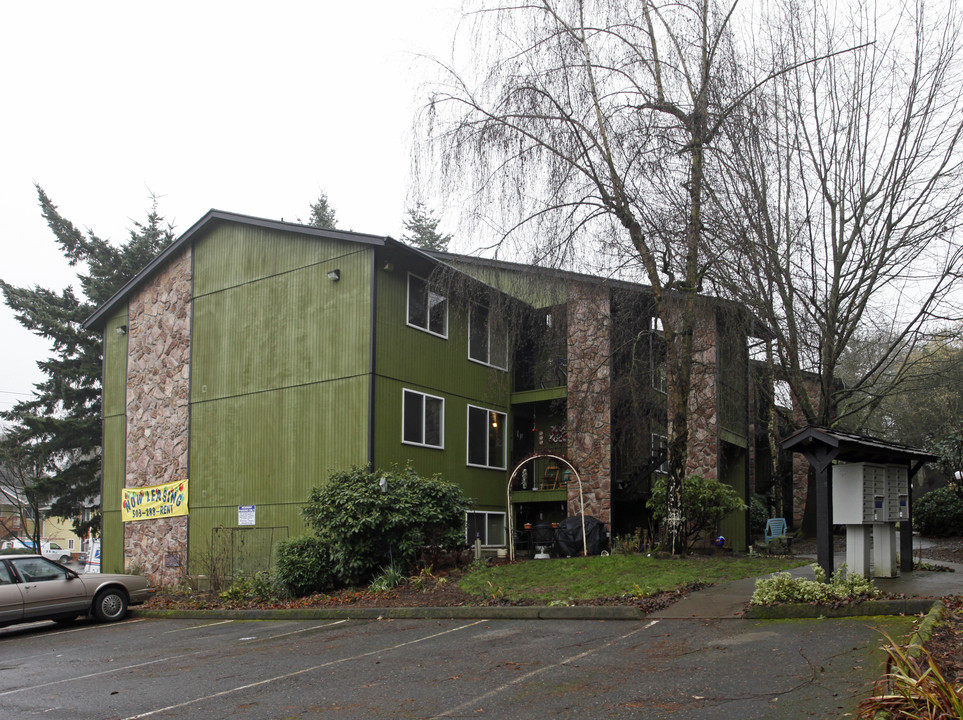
{"points": [[64, 559], [110, 605]]}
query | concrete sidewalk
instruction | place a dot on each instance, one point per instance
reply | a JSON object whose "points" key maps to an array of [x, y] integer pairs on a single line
{"points": [[728, 600]]}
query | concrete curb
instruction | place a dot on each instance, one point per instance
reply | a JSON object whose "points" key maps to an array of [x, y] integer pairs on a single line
{"points": [[915, 647], [466, 612], [907, 606], [925, 629]]}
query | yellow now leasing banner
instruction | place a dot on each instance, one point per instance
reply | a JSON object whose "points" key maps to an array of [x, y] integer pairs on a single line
{"points": [[154, 501]]}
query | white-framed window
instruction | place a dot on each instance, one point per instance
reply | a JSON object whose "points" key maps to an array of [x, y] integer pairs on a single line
{"points": [[489, 527], [487, 342], [427, 310], [486, 438], [422, 419], [70, 544], [660, 442]]}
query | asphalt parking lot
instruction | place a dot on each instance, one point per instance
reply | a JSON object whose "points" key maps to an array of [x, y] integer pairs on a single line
{"points": [[153, 668]]}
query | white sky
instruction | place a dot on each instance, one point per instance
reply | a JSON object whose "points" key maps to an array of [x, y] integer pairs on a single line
{"points": [[248, 107]]}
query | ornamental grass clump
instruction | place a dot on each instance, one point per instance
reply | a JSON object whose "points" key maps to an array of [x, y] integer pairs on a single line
{"points": [[913, 687], [842, 589]]}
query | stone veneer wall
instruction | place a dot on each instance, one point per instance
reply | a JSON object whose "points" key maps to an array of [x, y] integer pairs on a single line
{"points": [[703, 399], [590, 399], [800, 466], [158, 383]]}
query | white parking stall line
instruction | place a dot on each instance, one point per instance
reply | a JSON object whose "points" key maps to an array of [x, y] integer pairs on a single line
{"points": [[112, 671], [313, 628], [303, 671], [55, 633], [481, 698], [198, 627]]}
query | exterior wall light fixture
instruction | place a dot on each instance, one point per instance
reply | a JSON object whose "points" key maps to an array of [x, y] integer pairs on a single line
{"points": [[334, 275], [121, 329]]}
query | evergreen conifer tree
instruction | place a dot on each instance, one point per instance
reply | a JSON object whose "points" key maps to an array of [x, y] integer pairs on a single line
{"points": [[61, 423], [422, 230], [322, 214]]}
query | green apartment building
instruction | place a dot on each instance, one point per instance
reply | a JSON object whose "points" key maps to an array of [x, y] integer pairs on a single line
{"points": [[254, 357]]}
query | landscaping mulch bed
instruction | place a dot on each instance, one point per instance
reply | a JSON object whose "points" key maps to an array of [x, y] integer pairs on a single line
{"points": [[441, 592]]}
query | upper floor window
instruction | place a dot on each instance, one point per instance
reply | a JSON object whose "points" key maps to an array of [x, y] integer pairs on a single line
{"points": [[427, 310], [423, 419], [487, 342], [486, 438]]}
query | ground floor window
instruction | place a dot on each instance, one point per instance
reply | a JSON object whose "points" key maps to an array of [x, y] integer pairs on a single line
{"points": [[489, 527]]}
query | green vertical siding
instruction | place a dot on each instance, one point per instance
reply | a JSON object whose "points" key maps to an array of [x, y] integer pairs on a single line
{"points": [[427, 360], [274, 446], [115, 366], [733, 526], [408, 357], [114, 456], [232, 254], [279, 374], [486, 487], [114, 474], [284, 330]]}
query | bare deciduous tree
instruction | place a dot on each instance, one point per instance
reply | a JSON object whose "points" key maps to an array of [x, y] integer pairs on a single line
{"points": [[20, 498], [584, 131], [849, 195], [846, 196]]}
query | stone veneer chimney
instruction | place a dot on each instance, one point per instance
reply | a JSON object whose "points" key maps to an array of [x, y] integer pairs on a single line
{"points": [[590, 399], [158, 383]]}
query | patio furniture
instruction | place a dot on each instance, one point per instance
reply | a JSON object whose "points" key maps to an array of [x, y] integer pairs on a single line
{"points": [[775, 527]]}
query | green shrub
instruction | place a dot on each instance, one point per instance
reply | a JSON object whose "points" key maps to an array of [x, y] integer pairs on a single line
{"points": [[256, 588], [704, 503], [784, 588], [758, 515], [939, 513], [303, 566], [364, 526]]}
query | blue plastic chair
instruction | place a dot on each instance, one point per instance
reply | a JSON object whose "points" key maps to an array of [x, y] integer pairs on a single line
{"points": [[775, 527]]}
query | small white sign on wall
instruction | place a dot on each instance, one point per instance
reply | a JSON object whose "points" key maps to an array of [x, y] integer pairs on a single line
{"points": [[246, 514]]}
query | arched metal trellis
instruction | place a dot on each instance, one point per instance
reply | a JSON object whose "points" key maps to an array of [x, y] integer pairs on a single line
{"points": [[511, 513]]}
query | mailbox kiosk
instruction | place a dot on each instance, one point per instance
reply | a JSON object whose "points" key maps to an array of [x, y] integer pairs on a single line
{"points": [[870, 499], [828, 452]]}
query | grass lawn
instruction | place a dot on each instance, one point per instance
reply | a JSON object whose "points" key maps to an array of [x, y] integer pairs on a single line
{"points": [[589, 578]]}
